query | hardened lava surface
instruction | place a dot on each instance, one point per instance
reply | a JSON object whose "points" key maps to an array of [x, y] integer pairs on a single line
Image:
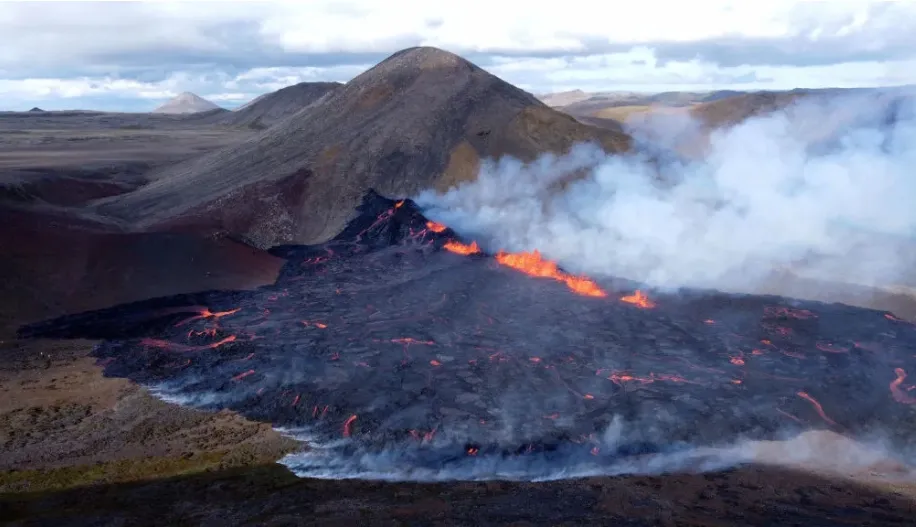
{"points": [[399, 340]]}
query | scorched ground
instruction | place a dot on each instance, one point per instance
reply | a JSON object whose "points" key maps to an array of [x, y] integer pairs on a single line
{"points": [[400, 348]]}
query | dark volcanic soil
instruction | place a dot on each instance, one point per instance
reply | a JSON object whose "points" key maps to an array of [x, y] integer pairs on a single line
{"points": [[432, 365], [270, 495]]}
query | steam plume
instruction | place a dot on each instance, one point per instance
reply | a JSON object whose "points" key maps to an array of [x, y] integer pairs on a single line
{"points": [[825, 187]]}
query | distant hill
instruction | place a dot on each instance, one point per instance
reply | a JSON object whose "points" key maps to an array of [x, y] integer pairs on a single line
{"points": [[186, 102], [37, 110], [269, 108], [423, 118], [564, 98]]}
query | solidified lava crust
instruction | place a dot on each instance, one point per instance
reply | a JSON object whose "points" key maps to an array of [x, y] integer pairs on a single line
{"points": [[384, 340]]}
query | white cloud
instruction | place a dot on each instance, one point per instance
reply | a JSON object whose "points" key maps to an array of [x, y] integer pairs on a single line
{"points": [[226, 49]]}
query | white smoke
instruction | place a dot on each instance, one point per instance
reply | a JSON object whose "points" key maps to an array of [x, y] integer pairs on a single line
{"points": [[825, 187], [812, 451]]}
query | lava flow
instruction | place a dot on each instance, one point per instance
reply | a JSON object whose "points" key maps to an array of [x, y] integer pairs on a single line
{"points": [[532, 264], [498, 372], [461, 248], [639, 299]]}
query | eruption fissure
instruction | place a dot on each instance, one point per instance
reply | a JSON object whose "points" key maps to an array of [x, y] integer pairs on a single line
{"points": [[512, 376]]}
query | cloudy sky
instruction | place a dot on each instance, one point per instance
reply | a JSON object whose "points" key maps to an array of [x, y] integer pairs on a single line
{"points": [[134, 56]]}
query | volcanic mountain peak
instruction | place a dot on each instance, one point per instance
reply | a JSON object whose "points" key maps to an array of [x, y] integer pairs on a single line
{"points": [[423, 118], [186, 102]]}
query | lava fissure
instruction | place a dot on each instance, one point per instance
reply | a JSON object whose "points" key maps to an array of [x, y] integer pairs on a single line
{"points": [[390, 334]]}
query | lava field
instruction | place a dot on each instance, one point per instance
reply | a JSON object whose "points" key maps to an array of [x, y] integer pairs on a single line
{"points": [[400, 346]]}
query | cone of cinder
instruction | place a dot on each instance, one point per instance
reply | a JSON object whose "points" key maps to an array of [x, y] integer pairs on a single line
{"points": [[825, 451]]}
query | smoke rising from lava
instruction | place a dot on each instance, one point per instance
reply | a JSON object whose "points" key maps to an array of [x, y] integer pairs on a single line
{"points": [[824, 187]]}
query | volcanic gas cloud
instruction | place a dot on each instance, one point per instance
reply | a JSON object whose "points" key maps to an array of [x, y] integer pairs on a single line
{"points": [[401, 350], [829, 196]]}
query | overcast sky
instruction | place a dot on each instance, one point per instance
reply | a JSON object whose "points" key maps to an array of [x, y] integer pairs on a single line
{"points": [[134, 56]]}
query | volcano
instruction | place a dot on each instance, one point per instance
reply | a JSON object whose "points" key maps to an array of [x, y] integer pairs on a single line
{"points": [[423, 118], [399, 350]]}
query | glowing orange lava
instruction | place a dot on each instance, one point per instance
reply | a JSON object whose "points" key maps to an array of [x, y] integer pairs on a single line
{"points": [[638, 299], [462, 248], [399, 204], [619, 378], [243, 375], [435, 227], [896, 390], [817, 407], [348, 426], [533, 264], [206, 313], [434, 362]]}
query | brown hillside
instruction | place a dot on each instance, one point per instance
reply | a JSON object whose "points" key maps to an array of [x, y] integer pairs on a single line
{"points": [[421, 118], [733, 110], [272, 107]]}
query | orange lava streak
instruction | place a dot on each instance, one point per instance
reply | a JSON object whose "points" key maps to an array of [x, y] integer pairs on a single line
{"points": [[206, 313], [318, 325], [165, 344], [461, 248], [533, 264], [622, 377], [817, 407], [399, 204], [435, 227], [638, 299], [434, 362], [348, 425], [897, 391], [243, 375]]}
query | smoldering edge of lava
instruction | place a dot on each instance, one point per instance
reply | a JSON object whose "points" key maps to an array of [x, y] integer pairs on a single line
{"points": [[825, 187], [813, 450]]}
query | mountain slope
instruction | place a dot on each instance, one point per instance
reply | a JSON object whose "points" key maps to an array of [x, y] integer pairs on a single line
{"points": [[421, 118], [269, 108], [186, 102]]}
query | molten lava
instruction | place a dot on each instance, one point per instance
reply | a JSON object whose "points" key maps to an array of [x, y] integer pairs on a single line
{"points": [[348, 426], [638, 299], [534, 265], [206, 313], [817, 407], [435, 227], [461, 248], [897, 392]]}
